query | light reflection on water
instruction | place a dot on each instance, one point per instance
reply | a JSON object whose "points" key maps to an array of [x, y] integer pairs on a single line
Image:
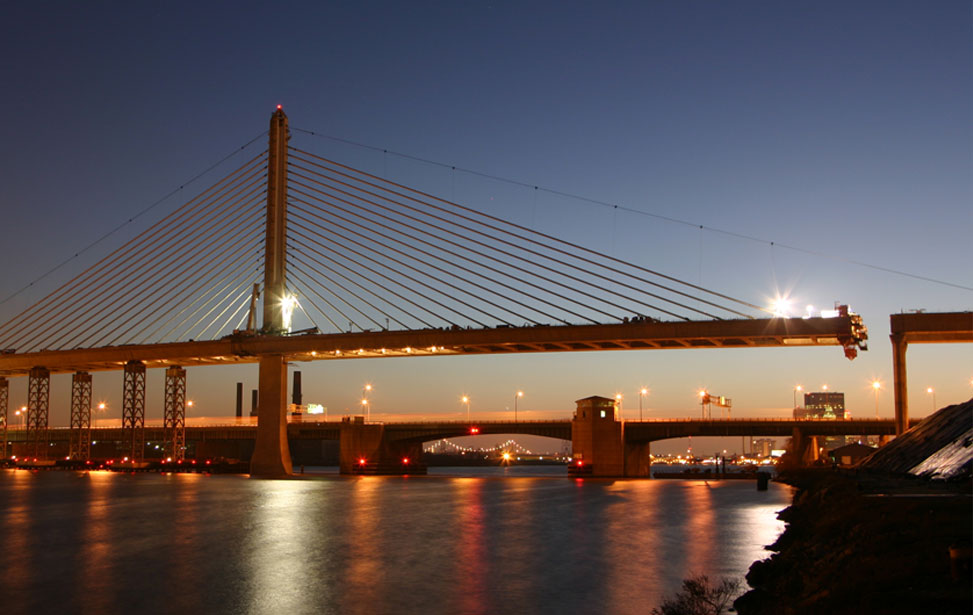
{"points": [[478, 543]]}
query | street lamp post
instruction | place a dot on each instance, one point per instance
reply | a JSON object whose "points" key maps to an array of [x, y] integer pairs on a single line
{"points": [[932, 392], [797, 390], [516, 399], [642, 393], [876, 385], [618, 404], [364, 401], [466, 400]]}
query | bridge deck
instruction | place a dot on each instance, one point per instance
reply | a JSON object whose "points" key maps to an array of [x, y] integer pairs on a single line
{"points": [[635, 335], [636, 431]]}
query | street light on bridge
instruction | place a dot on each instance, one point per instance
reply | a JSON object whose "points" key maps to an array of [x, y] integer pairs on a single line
{"points": [[797, 390], [618, 404], [466, 400], [516, 399], [642, 393], [876, 385], [364, 401], [932, 392]]}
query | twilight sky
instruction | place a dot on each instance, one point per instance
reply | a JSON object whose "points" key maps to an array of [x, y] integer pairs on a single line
{"points": [[839, 131]]}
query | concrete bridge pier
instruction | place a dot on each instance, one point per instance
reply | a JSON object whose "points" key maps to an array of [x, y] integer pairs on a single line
{"points": [[804, 448], [366, 449], [271, 454], [597, 441], [638, 460]]}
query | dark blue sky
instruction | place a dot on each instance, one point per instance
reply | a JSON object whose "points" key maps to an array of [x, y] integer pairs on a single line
{"points": [[842, 128]]}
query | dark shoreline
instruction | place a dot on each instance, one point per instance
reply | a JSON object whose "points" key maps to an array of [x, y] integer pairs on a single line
{"points": [[862, 543]]}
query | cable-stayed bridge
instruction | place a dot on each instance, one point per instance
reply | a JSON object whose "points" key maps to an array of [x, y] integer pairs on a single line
{"points": [[336, 263]]}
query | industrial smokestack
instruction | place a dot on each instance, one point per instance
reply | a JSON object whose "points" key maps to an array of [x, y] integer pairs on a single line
{"points": [[296, 390], [239, 399]]}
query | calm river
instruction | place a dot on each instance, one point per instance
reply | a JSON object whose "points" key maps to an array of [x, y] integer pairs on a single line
{"points": [[461, 540]]}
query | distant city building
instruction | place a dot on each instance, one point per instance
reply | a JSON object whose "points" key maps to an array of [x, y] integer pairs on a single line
{"points": [[822, 405], [762, 447]]}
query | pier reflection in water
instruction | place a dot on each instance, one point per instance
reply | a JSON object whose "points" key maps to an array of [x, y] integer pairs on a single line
{"points": [[100, 542]]}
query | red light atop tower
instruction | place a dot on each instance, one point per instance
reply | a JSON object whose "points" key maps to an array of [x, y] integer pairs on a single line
{"points": [[405, 461], [362, 461], [279, 107], [474, 430]]}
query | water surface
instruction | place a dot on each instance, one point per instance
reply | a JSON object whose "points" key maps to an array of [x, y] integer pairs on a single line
{"points": [[462, 540]]}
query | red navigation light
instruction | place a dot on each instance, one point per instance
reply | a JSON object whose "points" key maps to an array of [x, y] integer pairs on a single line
{"points": [[279, 107], [362, 461], [405, 460], [580, 463], [207, 462], [474, 430], [194, 462]]}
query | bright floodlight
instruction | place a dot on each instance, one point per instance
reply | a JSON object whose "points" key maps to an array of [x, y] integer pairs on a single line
{"points": [[287, 305], [781, 307], [876, 384]]}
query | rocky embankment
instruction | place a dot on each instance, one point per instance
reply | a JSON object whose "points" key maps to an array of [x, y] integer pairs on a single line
{"points": [[892, 536]]}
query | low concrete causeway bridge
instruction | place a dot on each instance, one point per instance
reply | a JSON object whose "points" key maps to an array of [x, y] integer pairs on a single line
{"points": [[412, 274], [396, 448]]}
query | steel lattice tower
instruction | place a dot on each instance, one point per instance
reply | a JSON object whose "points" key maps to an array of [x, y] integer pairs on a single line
{"points": [[38, 399], [4, 398], [174, 422], [80, 446], [133, 409]]}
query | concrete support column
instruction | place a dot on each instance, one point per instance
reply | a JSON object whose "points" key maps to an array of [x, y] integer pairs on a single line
{"points": [[814, 450], [271, 454], [80, 446], [133, 409], [638, 460], [899, 383], [799, 445], [174, 417], [38, 400]]}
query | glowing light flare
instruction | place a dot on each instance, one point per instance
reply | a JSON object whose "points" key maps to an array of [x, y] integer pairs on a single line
{"points": [[781, 307], [287, 305]]}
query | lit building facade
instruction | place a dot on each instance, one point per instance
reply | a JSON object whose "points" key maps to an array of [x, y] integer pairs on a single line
{"points": [[822, 405]]}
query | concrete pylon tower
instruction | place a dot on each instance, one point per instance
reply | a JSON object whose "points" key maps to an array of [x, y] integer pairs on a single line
{"points": [[275, 256], [271, 454]]}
